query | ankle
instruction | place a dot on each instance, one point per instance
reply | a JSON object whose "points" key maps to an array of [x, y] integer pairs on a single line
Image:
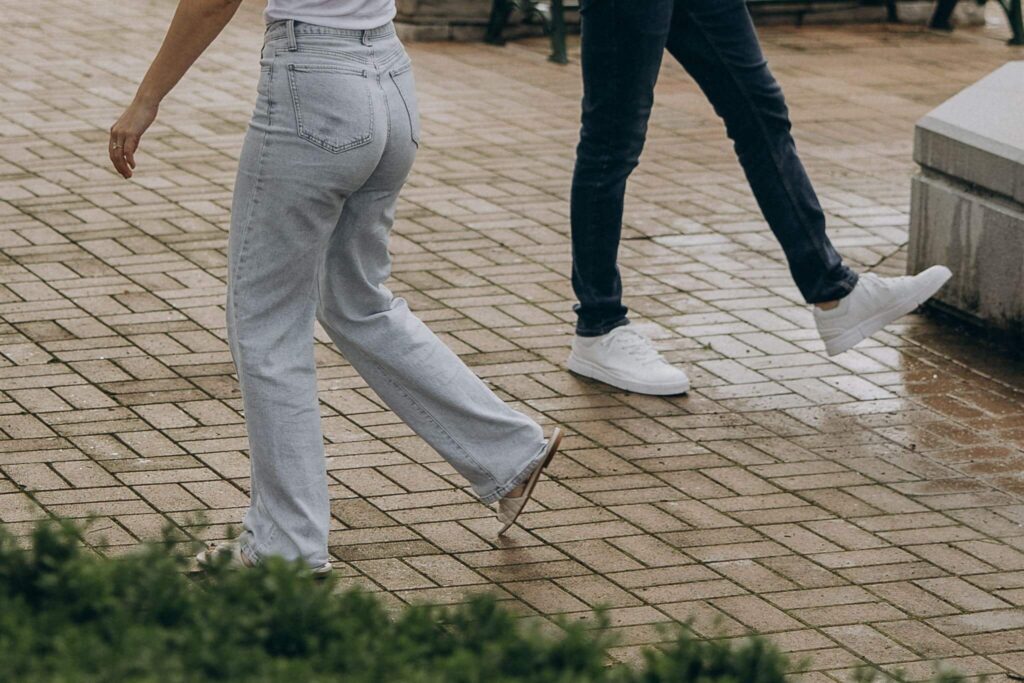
{"points": [[827, 305]]}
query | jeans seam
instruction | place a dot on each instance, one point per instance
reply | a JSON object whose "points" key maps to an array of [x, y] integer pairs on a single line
{"points": [[247, 223], [244, 240], [383, 94], [761, 127], [387, 108], [413, 115]]}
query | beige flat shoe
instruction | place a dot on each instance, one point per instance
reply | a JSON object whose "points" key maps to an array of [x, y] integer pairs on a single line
{"points": [[509, 507], [233, 551]]}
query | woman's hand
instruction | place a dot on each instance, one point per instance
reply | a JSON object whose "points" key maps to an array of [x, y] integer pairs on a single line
{"points": [[126, 133], [195, 25]]}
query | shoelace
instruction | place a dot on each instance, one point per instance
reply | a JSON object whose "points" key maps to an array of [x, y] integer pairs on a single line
{"points": [[636, 345]]}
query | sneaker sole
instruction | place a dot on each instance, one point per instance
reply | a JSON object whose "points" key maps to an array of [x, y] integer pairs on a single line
{"points": [[531, 483], [933, 280], [593, 371]]}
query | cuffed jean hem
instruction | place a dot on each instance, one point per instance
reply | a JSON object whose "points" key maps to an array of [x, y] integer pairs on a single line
{"points": [[253, 557], [250, 549], [839, 290], [583, 330], [523, 474], [247, 547]]}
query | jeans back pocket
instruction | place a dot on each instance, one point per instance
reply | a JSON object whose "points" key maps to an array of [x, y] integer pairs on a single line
{"points": [[406, 86], [333, 105]]}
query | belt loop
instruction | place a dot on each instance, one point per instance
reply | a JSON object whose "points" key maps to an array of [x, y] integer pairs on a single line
{"points": [[366, 37], [292, 44]]}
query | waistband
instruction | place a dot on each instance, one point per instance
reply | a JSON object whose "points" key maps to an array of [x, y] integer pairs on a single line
{"points": [[291, 28]]}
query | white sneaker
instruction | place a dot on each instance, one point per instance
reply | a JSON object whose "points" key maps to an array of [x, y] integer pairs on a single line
{"points": [[874, 303], [626, 359]]}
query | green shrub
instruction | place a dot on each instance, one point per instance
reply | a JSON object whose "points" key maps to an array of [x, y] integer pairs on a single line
{"points": [[68, 615]]}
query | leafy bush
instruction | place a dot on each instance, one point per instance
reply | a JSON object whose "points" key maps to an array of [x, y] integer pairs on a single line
{"points": [[70, 616]]}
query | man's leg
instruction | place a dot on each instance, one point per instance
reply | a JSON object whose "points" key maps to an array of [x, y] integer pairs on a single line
{"points": [[622, 47], [716, 43], [623, 44]]}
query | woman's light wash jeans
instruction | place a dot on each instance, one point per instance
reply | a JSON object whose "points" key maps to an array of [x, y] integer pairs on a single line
{"points": [[330, 145]]}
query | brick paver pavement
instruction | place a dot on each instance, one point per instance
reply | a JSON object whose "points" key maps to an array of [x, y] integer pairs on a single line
{"points": [[864, 508]]}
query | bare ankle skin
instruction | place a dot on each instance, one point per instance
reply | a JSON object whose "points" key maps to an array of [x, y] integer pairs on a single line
{"points": [[517, 491], [827, 305]]}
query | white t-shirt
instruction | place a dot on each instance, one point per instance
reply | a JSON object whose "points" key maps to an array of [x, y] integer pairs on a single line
{"points": [[350, 14]]}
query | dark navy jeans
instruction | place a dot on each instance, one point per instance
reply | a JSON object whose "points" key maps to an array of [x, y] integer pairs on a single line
{"points": [[715, 41]]}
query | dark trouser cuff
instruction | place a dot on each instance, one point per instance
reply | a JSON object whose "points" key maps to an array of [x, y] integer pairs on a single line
{"points": [[600, 329]]}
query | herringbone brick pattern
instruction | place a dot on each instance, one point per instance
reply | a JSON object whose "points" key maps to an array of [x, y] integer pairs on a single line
{"points": [[867, 508]]}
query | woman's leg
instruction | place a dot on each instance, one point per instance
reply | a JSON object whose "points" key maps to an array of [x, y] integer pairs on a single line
{"points": [[271, 309], [494, 447], [288, 199], [326, 154]]}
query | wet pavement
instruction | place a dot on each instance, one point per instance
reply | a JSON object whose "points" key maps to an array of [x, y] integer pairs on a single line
{"points": [[864, 508]]}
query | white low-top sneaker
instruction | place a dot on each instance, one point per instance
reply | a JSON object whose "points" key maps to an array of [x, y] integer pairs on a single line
{"points": [[626, 359], [874, 303]]}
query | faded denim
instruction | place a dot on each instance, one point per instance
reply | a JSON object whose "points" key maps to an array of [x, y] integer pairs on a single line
{"points": [[331, 142]]}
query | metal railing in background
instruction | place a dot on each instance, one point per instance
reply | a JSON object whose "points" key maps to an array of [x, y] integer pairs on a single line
{"points": [[802, 7], [550, 14], [1014, 15]]}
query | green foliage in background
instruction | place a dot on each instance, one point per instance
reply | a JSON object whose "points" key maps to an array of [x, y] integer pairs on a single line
{"points": [[68, 615]]}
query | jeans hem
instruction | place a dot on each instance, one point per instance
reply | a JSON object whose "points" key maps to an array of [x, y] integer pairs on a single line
{"points": [[253, 554], [523, 474], [600, 331], [845, 286], [248, 549]]}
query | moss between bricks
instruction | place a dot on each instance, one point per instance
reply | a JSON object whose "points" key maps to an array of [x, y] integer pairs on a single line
{"points": [[68, 615]]}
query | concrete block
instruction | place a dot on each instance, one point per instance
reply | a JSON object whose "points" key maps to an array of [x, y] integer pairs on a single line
{"points": [[967, 206], [981, 239], [978, 134]]}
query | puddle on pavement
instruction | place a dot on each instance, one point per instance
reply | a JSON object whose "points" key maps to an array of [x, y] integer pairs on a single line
{"points": [[999, 357]]}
